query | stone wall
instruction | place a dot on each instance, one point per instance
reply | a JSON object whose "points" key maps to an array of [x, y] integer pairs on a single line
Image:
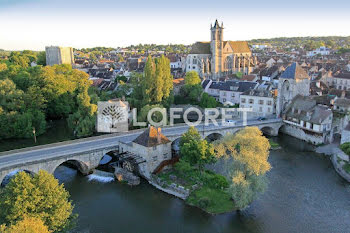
{"points": [[299, 133], [173, 189]]}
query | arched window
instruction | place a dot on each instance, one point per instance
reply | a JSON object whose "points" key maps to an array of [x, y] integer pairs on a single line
{"points": [[228, 63]]}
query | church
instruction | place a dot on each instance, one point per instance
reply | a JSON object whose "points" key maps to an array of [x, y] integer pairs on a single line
{"points": [[219, 58]]}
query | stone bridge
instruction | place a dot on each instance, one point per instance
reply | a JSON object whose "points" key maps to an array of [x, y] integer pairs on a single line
{"points": [[86, 154]]}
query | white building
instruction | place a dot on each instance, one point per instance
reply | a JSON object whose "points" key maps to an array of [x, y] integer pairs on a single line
{"points": [[321, 51], [262, 102], [227, 92], [339, 81]]}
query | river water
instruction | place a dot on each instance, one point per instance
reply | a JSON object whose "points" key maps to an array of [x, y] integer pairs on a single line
{"points": [[304, 195]]}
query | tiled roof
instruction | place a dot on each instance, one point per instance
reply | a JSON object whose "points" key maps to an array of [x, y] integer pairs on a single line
{"points": [[151, 137], [200, 48], [239, 46], [295, 71]]}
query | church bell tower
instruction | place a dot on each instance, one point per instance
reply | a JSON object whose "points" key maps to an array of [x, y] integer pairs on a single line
{"points": [[216, 47]]}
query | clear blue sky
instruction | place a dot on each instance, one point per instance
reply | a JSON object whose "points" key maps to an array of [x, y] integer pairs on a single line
{"points": [[32, 24]]}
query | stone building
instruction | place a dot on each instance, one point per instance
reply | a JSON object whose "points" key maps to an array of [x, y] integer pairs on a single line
{"points": [[56, 55], [262, 102], [308, 121], [152, 146], [112, 116], [293, 81], [218, 57]]}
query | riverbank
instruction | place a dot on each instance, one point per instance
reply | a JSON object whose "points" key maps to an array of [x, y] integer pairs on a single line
{"points": [[339, 159]]}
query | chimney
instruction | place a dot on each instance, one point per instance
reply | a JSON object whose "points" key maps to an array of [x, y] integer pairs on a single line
{"points": [[159, 140]]}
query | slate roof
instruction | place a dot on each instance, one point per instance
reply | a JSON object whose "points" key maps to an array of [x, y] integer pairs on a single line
{"points": [[306, 109], [295, 71], [200, 48], [151, 137], [342, 102], [344, 75], [233, 86]]}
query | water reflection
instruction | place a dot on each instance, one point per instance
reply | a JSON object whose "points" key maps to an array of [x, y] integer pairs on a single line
{"points": [[304, 195]]}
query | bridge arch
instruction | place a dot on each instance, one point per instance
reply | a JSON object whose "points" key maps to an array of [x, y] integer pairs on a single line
{"points": [[78, 165], [12, 174], [175, 147], [213, 137]]}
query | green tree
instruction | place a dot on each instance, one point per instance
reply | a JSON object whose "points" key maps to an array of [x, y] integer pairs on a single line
{"points": [[208, 101], [41, 58], [156, 116], [192, 134], [195, 151], [192, 78], [40, 196]]}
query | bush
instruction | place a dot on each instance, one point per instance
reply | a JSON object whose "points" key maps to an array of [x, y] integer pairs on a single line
{"points": [[215, 181], [345, 147], [203, 202]]}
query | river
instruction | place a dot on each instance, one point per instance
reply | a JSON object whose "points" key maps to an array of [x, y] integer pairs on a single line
{"points": [[305, 194]]}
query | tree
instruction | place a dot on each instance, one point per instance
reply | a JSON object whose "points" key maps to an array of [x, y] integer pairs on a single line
{"points": [[40, 196], [27, 225], [156, 116], [192, 134], [195, 150], [249, 147], [156, 83], [192, 78], [208, 101], [245, 155], [41, 58]]}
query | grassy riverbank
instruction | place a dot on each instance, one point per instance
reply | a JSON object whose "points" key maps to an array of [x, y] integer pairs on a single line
{"points": [[207, 189]]}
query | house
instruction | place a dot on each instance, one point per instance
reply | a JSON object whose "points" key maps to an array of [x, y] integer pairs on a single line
{"points": [[323, 51], [177, 84], [308, 121], [152, 146], [340, 80], [262, 102], [227, 92], [342, 105]]}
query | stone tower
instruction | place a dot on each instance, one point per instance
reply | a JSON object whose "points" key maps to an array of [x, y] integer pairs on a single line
{"points": [[216, 47], [294, 81]]}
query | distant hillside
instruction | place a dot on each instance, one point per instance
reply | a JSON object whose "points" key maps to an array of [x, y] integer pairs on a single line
{"points": [[307, 43]]}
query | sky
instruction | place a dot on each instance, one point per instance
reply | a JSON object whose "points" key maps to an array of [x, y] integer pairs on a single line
{"points": [[34, 24]]}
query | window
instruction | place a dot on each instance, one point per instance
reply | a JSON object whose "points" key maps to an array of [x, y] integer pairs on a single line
{"points": [[243, 100], [155, 158], [193, 67], [261, 102], [269, 109], [269, 102], [224, 100], [260, 109], [251, 101], [224, 94], [165, 156]]}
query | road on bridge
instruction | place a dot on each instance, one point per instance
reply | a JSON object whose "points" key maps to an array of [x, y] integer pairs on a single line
{"points": [[9, 158]]}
